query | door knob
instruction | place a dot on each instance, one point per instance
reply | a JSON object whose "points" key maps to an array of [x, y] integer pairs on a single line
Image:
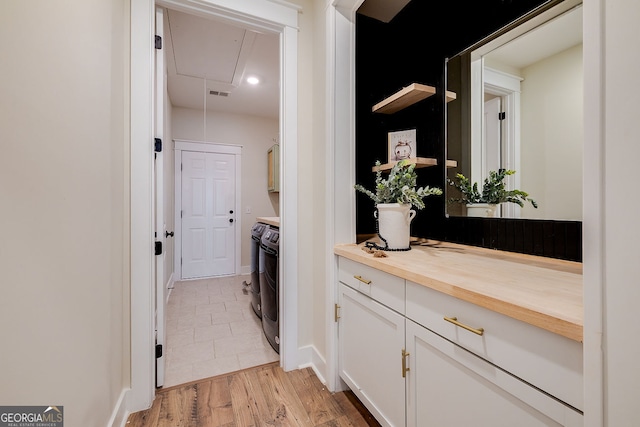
{"points": [[231, 212], [230, 219]]}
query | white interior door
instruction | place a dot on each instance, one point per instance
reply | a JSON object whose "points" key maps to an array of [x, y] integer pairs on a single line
{"points": [[159, 221], [208, 214], [491, 153]]}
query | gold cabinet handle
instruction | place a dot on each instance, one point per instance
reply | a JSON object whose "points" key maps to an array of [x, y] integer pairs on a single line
{"points": [[454, 320], [404, 363], [363, 280]]}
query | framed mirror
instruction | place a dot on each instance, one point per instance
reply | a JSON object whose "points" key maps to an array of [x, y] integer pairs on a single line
{"points": [[519, 107]]}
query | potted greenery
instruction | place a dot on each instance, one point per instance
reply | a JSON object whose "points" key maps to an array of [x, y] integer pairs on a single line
{"points": [[394, 197], [493, 192]]}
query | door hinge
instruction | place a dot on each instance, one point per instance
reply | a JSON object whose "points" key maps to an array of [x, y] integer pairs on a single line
{"points": [[158, 42], [502, 115], [336, 310], [158, 351], [158, 248], [157, 146]]}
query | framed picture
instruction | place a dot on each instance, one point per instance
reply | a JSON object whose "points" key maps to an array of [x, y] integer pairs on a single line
{"points": [[402, 145]]}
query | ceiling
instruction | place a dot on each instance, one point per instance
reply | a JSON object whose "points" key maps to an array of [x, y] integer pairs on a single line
{"points": [[553, 37], [205, 56], [209, 61]]}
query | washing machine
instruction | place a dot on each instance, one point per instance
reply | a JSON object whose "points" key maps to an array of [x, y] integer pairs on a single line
{"points": [[257, 266], [270, 286]]}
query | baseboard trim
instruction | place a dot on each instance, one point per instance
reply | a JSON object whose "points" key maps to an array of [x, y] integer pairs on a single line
{"points": [[245, 270], [120, 413], [310, 357]]}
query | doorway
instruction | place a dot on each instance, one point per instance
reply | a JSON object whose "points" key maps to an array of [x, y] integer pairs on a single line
{"points": [[221, 127], [264, 15], [495, 139]]}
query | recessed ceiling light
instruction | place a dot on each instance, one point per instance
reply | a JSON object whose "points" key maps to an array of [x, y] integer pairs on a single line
{"points": [[253, 80]]}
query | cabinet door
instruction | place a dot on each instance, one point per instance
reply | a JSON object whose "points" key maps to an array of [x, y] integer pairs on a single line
{"points": [[371, 340], [449, 386]]}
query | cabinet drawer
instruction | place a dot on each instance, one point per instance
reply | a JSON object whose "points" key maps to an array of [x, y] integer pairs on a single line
{"points": [[546, 360], [382, 287]]}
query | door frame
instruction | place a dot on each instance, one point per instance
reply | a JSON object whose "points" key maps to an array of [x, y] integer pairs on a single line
{"points": [[264, 15], [206, 147], [487, 80], [508, 87], [158, 204]]}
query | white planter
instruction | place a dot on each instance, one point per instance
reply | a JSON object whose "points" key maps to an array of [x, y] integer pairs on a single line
{"points": [[481, 210], [394, 220]]}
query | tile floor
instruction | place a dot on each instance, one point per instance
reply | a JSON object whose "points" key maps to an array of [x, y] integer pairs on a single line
{"points": [[212, 330]]}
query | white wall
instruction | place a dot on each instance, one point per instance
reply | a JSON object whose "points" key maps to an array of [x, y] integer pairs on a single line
{"points": [[615, 151], [311, 179], [64, 316], [552, 136], [255, 135], [318, 122]]}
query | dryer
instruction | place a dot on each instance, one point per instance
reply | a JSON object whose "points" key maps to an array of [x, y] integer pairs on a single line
{"points": [[270, 286]]}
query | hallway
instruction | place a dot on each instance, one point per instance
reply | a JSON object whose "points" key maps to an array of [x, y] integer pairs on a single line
{"points": [[212, 330]]}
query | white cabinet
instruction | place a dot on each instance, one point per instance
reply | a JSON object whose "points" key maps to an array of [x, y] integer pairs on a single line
{"points": [[371, 343], [541, 358], [411, 367], [450, 386]]}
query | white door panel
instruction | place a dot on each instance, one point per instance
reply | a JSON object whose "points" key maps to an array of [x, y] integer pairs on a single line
{"points": [[208, 218], [492, 146]]}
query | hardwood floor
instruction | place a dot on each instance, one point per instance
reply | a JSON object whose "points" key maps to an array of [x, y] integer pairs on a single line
{"points": [[260, 396]]}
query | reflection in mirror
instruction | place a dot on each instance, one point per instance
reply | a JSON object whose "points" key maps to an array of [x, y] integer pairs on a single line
{"points": [[519, 107]]}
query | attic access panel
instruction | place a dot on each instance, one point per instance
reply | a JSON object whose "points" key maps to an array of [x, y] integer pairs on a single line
{"points": [[215, 52]]}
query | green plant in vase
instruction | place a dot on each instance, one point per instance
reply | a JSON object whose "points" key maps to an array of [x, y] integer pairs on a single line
{"points": [[394, 196], [493, 191], [399, 187]]}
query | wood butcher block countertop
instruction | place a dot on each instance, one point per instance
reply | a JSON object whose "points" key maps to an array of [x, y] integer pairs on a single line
{"points": [[543, 292], [269, 220]]}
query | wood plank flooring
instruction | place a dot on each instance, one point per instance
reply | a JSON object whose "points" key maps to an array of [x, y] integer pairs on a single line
{"points": [[260, 396]]}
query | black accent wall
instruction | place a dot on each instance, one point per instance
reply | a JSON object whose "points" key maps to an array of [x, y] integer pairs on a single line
{"points": [[412, 48]]}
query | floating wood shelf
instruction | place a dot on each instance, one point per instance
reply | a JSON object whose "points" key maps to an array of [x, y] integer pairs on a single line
{"points": [[420, 162], [451, 96], [406, 97]]}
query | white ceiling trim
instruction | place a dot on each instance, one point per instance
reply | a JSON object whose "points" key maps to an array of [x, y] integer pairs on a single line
{"points": [[260, 16]]}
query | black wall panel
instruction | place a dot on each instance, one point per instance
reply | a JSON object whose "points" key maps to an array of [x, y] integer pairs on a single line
{"points": [[412, 48]]}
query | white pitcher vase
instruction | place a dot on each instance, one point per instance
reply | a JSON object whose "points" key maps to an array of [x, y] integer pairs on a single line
{"points": [[481, 210], [394, 220]]}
